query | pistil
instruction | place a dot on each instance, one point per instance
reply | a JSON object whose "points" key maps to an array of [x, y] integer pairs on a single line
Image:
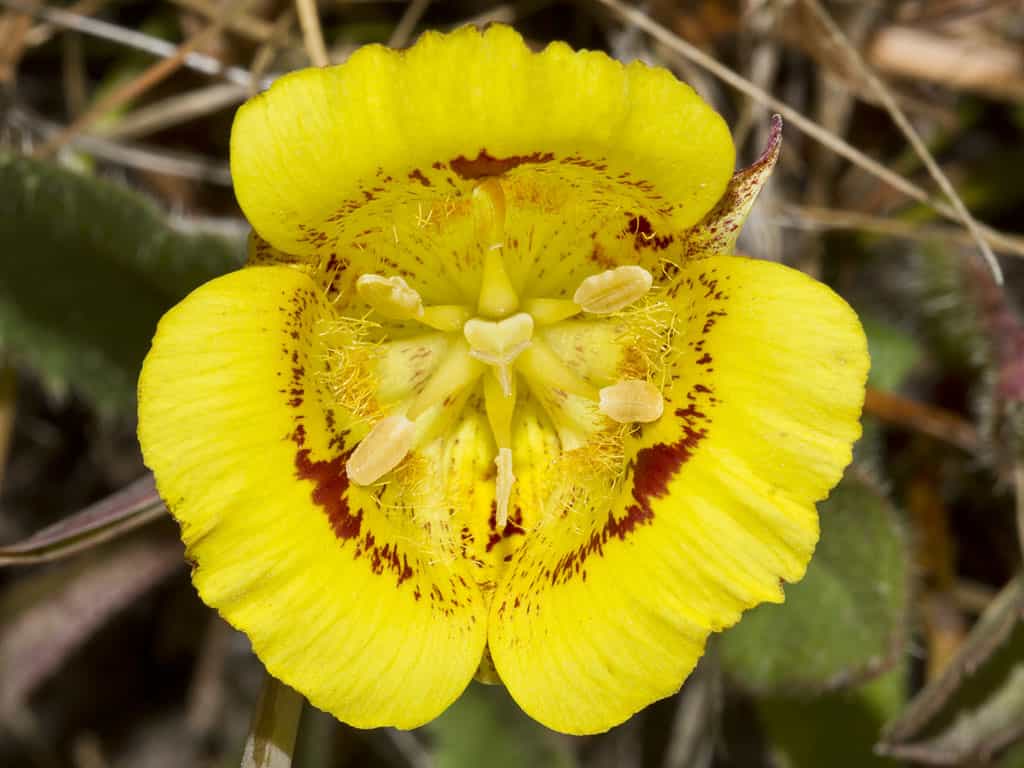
{"points": [[498, 344]]}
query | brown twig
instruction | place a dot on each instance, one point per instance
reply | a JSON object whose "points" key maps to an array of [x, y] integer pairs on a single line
{"points": [[908, 131], [156, 73], [14, 27], [936, 422]]}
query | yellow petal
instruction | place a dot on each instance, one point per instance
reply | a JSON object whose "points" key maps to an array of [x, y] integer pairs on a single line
{"points": [[343, 597], [373, 162], [608, 604]]}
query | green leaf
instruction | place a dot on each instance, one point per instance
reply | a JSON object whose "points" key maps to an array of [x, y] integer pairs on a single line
{"points": [[86, 270], [837, 729], [846, 620], [894, 353], [484, 727]]}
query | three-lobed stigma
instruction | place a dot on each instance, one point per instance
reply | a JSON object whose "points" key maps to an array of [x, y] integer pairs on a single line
{"points": [[498, 341]]}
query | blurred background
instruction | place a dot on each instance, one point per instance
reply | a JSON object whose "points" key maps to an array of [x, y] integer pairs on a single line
{"points": [[903, 646]]}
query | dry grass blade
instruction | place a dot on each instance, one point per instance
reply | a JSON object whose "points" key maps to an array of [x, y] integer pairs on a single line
{"points": [[251, 27], [816, 218], [926, 732], [991, 67], [275, 724], [407, 24], [312, 34], [129, 508], [134, 88], [837, 144], [43, 33], [912, 136], [175, 110], [131, 38]]}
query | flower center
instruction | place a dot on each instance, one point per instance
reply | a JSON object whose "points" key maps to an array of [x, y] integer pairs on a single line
{"points": [[499, 342]]}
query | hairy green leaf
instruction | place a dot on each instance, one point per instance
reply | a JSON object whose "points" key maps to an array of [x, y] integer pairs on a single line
{"points": [[846, 620], [87, 268]]}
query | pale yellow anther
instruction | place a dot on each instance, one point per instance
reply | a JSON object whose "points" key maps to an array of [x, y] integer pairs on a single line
{"points": [[383, 448], [631, 400], [550, 311], [390, 296], [445, 317], [503, 486], [613, 289]]}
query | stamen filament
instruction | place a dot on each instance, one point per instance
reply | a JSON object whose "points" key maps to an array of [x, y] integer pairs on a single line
{"points": [[500, 406], [540, 363], [456, 372], [445, 317], [503, 487], [551, 311]]}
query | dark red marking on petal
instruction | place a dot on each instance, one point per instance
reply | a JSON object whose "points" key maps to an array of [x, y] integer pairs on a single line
{"points": [[417, 175], [583, 162], [513, 527], [330, 491], [652, 469], [485, 164], [644, 236]]}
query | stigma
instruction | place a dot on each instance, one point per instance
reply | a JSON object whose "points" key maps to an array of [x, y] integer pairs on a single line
{"points": [[508, 344]]}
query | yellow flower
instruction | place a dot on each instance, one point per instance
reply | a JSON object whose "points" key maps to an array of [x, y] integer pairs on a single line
{"points": [[490, 398]]}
